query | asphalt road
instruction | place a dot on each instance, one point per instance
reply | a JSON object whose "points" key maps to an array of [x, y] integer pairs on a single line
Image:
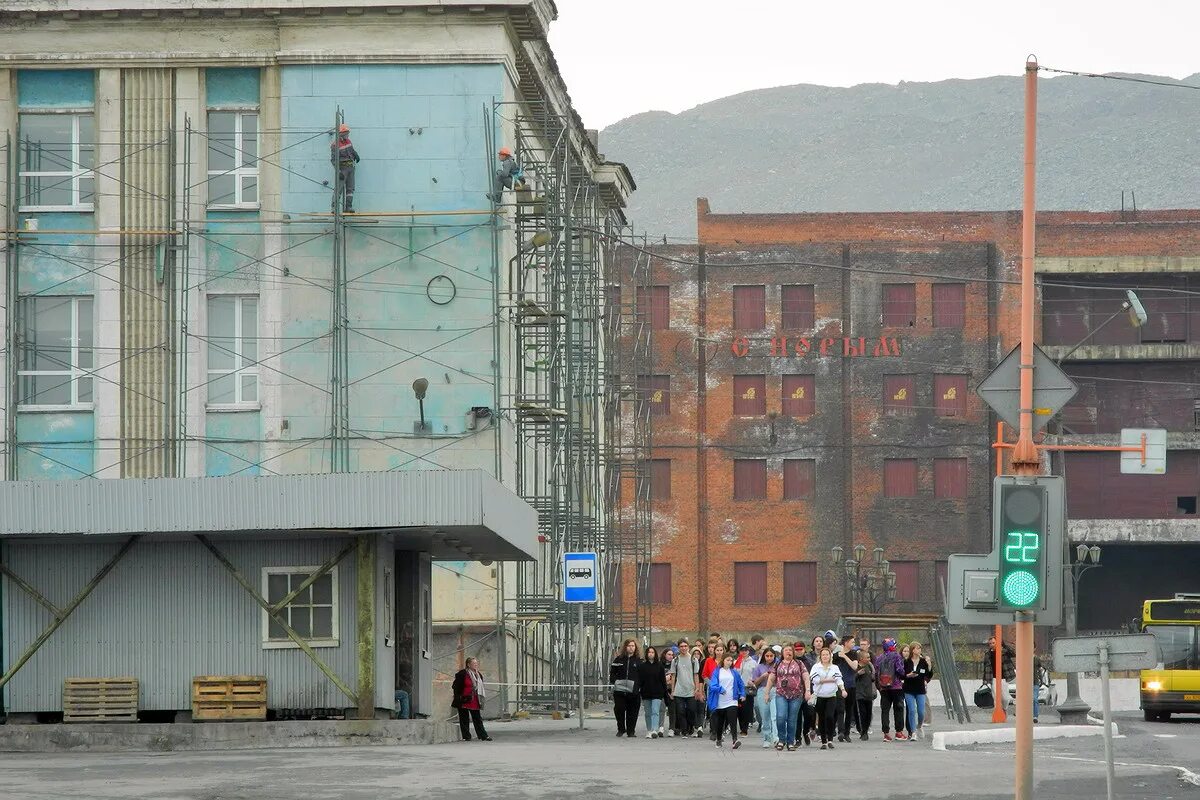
{"points": [[545, 759]]}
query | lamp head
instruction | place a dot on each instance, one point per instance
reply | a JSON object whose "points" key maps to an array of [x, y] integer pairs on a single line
{"points": [[1095, 551], [836, 555], [419, 387]]}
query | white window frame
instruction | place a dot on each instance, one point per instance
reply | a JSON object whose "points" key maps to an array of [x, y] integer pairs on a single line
{"points": [[239, 369], [238, 172], [75, 174], [287, 644], [75, 372]]}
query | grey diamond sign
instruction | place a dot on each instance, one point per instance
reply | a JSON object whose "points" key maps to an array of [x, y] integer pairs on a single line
{"points": [[1052, 389]]}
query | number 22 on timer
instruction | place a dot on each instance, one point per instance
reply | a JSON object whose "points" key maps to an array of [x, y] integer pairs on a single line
{"points": [[1022, 547]]}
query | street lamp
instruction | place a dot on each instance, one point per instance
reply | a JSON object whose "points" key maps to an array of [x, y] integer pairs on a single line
{"points": [[868, 585], [836, 554], [1073, 710]]}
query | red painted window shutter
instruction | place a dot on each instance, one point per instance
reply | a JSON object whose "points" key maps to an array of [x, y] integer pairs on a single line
{"points": [[750, 307], [750, 582], [899, 477], [950, 395], [799, 478], [749, 479], [898, 394], [907, 583], [798, 307], [749, 395], [950, 478], [899, 305], [800, 582], [949, 305], [799, 395]]}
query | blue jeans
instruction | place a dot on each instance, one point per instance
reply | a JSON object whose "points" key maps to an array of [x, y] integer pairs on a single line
{"points": [[403, 710], [786, 712], [1035, 698], [653, 709], [914, 705], [764, 706]]}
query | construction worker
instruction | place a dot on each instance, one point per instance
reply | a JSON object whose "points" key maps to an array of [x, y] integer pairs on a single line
{"points": [[343, 154], [509, 175]]}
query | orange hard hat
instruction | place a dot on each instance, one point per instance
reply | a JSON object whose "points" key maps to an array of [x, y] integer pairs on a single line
{"points": [[505, 152], [343, 128]]}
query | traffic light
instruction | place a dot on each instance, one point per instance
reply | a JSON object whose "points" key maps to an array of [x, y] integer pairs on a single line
{"points": [[1022, 539]]}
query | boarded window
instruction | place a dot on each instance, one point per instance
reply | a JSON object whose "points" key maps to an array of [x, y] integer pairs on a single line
{"points": [[799, 478], [907, 584], [799, 308], [660, 479], [899, 305], [899, 477], [941, 570], [949, 305], [750, 307], [660, 585], [950, 478], [800, 582], [654, 306], [749, 479], [749, 395], [750, 582], [657, 391], [799, 395], [1167, 317], [898, 394], [950, 395]]}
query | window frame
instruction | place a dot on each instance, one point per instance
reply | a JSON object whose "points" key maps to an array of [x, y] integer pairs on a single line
{"points": [[652, 584], [75, 372], [654, 305], [890, 487], [956, 318], [888, 311], [75, 174], [738, 495], [238, 172], [812, 595], [759, 310], [959, 402], [238, 337], [808, 315], [907, 407], [657, 383], [803, 465], [658, 489], [759, 386], [805, 381], [766, 577], [334, 639], [954, 462]]}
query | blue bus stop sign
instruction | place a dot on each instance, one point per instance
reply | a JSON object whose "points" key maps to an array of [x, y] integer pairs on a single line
{"points": [[579, 577]]}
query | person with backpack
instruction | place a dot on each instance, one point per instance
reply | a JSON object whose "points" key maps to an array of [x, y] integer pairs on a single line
{"points": [[1008, 668], [509, 175], [682, 680], [889, 678]]}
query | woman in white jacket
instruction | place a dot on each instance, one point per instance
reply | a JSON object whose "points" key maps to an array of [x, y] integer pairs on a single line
{"points": [[827, 685]]}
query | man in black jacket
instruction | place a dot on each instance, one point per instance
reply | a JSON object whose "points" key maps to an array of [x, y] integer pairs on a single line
{"points": [[1008, 667]]}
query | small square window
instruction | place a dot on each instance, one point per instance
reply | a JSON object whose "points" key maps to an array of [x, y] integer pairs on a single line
{"points": [[899, 477], [749, 395], [799, 395], [312, 614], [749, 479], [800, 582], [1185, 505], [898, 391], [799, 478], [750, 307], [899, 305], [750, 582]]}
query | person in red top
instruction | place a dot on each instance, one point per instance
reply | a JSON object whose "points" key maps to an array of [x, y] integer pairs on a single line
{"points": [[468, 691]]}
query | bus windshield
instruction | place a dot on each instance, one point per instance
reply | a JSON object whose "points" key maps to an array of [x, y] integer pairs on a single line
{"points": [[1176, 645]]}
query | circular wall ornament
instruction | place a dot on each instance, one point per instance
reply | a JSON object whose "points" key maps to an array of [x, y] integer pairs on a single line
{"points": [[441, 290]]}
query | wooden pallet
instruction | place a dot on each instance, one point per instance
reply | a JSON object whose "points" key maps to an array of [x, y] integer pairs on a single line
{"points": [[229, 697], [100, 700]]}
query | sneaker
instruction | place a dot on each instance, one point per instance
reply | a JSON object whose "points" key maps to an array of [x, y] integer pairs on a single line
{"points": [[620, 734], [630, 734], [901, 736], [661, 732], [824, 747], [766, 745], [651, 735], [831, 745], [1035, 720], [719, 744], [863, 736], [887, 737], [671, 733], [807, 740], [737, 743], [699, 734], [791, 748]]}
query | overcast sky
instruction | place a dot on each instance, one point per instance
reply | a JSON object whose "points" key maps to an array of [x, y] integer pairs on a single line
{"points": [[622, 57]]}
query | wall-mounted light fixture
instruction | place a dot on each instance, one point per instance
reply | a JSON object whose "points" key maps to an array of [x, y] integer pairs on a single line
{"points": [[420, 386]]}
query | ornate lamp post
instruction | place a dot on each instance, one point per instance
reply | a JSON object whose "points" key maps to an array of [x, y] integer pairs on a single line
{"points": [[868, 585], [1073, 710]]}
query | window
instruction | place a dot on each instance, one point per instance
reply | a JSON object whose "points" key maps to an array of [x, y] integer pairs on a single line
{"points": [[312, 613], [899, 477], [799, 395], [750, 307], [949, 305], [57, 155], [657, 390], [660, 584], [907, 584], [1196, 415], [799, 478], [950, 478], [750, 582], [232, 350], [749, 395], [800, 582], [898, 397], [660, 479], [233, 159], [799, 307], [1176, 647], [654, 304], [899, 305], [749, 479], [54, 352], [950, 395], [1186, 504]]}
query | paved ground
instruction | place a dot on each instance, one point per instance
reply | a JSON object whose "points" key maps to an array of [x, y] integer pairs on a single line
{"points": [[546, 759]]}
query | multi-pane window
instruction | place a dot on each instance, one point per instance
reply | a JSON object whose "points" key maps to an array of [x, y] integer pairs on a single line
{"points": [[750, 582], [899, 305], [950, 478], [949, 305], [749, 479], [799, 478], [660, 479], [312, 613], [950, 395], [907, 584], [899, 477], [800, 582], [798, 307], [750, 307], [232, 350], [657, 391], [233, 158], [654, 306], [57, 154], [54, 351], [898, 393], [749, 395], [799, 395]]}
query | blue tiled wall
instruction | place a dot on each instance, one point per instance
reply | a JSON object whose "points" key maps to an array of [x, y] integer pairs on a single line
{"points": [[56, 88], [231, 86]]}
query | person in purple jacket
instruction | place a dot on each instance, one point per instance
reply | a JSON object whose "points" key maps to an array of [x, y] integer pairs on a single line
{"points": [[889, 677]]}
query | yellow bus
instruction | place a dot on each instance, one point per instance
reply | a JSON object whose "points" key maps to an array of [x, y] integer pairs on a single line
{"points": [[1173, 687]]}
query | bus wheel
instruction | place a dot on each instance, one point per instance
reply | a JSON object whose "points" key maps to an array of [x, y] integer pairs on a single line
{"points": [[1165, 716], [1149, 716]]}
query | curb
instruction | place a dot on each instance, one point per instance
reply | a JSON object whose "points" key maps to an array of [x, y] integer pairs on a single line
{"points": [[946, 739]]}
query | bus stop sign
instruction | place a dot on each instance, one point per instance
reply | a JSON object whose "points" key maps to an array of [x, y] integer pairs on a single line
{"points": [[1127, 651]]}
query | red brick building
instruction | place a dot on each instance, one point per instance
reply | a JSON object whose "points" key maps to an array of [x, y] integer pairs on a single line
{"points": [[813, 388]]}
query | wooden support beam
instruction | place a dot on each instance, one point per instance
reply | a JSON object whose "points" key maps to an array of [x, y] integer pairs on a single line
{"points": [[67, 611], [277, 617], [366, 625], [32, 592]]}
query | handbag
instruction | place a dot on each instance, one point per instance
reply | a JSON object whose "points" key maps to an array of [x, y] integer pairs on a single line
{"points": [[983, 697], [623, 686]]}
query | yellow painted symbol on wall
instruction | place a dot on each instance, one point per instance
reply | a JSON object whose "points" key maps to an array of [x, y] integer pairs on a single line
{"points": [[901, 395], [798, 394], [749, 395], [951, 394], [657, 396]]}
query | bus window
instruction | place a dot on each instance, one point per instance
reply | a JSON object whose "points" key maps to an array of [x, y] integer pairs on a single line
{"points": [[1175, 645]]}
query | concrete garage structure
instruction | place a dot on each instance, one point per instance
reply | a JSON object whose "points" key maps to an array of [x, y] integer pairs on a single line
{"points": [[166, 579]]}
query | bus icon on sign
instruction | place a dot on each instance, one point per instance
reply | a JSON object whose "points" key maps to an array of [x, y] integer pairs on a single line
{"points": [[580, 572], [579, 577]]}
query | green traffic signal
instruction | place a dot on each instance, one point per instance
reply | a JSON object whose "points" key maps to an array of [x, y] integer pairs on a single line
{"points": [[1022, 539]]}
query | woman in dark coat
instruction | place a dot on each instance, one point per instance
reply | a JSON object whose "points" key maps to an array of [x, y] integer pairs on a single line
{"points": [[624, 677], [468, 691]]}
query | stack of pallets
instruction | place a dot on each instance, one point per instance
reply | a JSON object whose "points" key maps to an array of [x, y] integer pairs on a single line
{"points": [[100, 700], [229, 697]]}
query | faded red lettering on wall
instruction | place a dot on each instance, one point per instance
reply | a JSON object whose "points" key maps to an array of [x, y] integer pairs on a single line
{"points": [[800, 347]]}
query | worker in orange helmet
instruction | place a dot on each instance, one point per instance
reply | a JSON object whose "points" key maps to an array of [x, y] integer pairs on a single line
{"points": [[344, 156], [509, 175]]}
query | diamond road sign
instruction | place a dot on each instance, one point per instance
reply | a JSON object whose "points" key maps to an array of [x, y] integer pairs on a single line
{"points": [[1052, 389]]}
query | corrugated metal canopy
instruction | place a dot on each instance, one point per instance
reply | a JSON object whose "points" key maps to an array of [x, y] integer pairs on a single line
{"points": [[454, 513]]}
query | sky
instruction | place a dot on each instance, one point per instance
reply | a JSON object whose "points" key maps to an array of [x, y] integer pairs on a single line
{"points": [[623, 57]]}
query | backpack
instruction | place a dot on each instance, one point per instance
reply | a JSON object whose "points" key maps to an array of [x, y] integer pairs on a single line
{"points": [[887, 672]]}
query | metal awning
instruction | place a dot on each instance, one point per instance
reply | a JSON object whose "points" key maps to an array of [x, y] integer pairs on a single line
{"points": [[455, 514]]}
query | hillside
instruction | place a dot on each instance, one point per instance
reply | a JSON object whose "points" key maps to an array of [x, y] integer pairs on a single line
{"points": [[951, 145]]}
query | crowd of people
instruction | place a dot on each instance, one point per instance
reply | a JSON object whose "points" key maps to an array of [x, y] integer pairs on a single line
{"points": [[794, 694]]}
